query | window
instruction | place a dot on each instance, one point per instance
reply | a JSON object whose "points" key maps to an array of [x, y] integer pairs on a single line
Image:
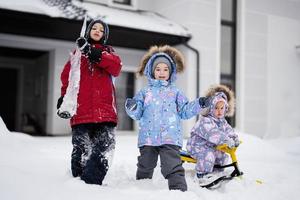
{"points": [[227, 10], [226, 51], [228, 42], [124, 2], [124, 88]]}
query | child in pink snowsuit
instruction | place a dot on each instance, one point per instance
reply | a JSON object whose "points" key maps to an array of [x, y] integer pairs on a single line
{"points": [[210, 131]]}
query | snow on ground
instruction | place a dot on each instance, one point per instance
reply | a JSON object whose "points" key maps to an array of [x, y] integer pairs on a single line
{"points": [[35, 168]]}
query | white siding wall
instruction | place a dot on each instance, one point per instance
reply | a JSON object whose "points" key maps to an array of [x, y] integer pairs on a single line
{"points": [[267, 61], [271, 31], [283, 77], [58, 58], [202, 18]]}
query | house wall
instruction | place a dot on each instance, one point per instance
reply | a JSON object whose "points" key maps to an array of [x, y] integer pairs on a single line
{"points": [[267, 61], [271, 65], [19, 66], [58, 58], [202, 18], [49, 92], [31, 89], [283, 77]]}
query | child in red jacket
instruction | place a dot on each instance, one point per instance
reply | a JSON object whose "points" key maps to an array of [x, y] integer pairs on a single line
{"points": [[94, 119]]}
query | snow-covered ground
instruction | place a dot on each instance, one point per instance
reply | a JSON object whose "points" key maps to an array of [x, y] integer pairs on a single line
{"points": [[35, 168]]}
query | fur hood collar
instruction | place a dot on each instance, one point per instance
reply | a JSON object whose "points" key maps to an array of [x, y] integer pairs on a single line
{"points": [[175, 54], [229, 94]]}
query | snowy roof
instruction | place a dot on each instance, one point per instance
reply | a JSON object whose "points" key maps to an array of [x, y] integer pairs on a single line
{"points": [[142, 20]]}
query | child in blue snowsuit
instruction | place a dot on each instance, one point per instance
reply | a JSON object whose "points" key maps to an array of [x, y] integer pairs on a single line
{"points": [[159, 108], [210, 131]]}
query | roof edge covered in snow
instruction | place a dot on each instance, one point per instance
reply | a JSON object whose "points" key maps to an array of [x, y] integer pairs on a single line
{"points": [[136, 29]]}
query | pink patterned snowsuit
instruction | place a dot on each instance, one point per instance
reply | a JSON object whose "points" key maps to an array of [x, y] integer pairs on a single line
{"points": [[207, 133]]}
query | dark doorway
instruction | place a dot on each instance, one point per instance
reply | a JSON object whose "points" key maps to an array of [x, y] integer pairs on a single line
{"points": [[8, 100], [23, 87]]}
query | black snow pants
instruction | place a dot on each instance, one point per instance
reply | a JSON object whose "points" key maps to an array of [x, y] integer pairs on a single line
{"points": [[171, 165], [93, 147]]}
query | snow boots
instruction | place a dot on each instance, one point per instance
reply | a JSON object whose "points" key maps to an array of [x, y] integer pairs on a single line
{"points": [[93, 144]]}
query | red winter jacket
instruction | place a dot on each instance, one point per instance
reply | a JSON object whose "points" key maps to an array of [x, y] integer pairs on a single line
{"points": [[96, 97]]}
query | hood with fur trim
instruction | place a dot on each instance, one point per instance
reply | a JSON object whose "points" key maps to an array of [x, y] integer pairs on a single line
{"points": [[230, 98], [173, 53], [150, 66]]}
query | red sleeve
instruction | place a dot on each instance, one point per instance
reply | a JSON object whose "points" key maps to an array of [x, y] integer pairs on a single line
{"points": [[64, 77], [111, 62]]}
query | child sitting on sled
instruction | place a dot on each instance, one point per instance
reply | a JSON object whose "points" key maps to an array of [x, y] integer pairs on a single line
{"points": [[210, 131]]}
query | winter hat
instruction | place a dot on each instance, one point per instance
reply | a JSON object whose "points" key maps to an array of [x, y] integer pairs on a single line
{"points": [[161, 59], [105, 34]]}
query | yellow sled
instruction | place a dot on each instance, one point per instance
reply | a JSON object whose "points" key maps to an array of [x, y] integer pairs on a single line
{"points": [[186, 157]]}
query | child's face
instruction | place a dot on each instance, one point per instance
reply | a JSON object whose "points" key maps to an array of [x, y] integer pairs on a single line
{"points": [[219, 109], [97, 32], [162, 72]]}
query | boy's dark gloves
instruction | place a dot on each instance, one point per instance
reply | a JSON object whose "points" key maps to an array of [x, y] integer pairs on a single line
{"points": [[59, 102], [204, 102], [95, 55], [83, 45], [64, 114], [131, 104]]}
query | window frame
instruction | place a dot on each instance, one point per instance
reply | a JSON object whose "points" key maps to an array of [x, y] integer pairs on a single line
{"points": [[231, 78]]}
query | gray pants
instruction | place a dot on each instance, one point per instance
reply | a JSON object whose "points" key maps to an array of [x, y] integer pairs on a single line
{"points": [[171, 165]]}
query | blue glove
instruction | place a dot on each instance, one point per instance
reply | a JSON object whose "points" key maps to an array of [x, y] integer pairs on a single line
{"points": [[131, 104], [64, 114], [204, 102]]}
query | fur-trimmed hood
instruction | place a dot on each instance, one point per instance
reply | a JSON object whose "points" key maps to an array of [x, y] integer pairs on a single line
{"points": [[230, 98], [155, 51]]}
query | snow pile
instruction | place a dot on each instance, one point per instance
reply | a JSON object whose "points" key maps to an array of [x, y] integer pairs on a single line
{"points": [[3, 128], [34, 168]]}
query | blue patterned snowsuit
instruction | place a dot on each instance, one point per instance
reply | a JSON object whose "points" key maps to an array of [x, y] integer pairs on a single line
{"points": [[207, 133], [160, 108]]}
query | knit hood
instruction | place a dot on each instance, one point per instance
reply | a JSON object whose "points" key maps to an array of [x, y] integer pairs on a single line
{"points": [[105, 34]]}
